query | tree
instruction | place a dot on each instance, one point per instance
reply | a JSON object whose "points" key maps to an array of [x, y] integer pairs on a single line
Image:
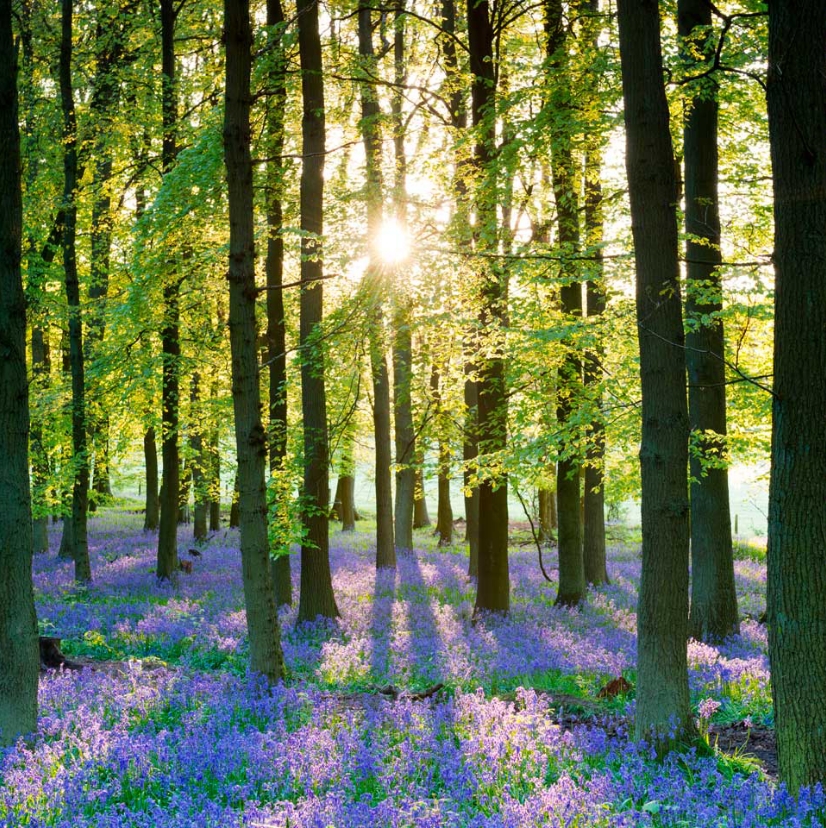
{"points": [[250, 437], [317, 596], [493, 585], [80, 487], [714, 613], [563, 170], [276, 322], [18, 624], [796, 553], [663, 711], [167, 567]]}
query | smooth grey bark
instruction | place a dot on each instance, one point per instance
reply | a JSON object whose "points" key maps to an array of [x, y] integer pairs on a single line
{"points": [[167, 560], [276, 322], [18, 623], [152, 500], [713, 615], [797, 491], [80, 458], [317, 597], [663, 712], [250, 438]]}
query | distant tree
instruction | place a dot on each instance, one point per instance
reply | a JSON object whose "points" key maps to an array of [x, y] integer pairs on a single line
{"points": [[250, 437], [663, 712], [18, 624], [797, 522], [80, 488]]}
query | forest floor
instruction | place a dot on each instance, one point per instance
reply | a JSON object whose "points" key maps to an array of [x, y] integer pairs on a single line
{"points": [[164, 727]]}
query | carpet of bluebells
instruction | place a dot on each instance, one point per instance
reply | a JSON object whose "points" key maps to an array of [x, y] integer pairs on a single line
{"points": [[168, 729]]}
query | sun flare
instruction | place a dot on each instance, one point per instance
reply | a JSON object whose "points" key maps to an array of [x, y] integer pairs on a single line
{"points": [[392, 242]]}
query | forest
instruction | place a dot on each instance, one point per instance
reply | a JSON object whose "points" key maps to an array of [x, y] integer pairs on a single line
{"points": [[376, 381]]}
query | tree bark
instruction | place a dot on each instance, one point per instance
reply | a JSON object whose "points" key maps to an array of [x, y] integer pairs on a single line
{"points": [[593, 546], [39, 459], [714, 614], [250, 438], [797, 525], [80, 488], [152, 501], [421, 518], [199, 460], [444, 509], [317, 596], [571, 562], [167, 563], [663, 712], [18, 624], [276, 322], [493, 583]]}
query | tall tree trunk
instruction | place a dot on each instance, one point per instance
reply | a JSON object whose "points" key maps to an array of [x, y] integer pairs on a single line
{"points": [[571, 562], [214, 467], [714, 614], [663, 711], [250, 437], [317, 596], [198, 461], [371, 137], [797, 492], [493, 584], [152, 502], [80, 488], [18, 624], [593, 547], [402, 314], [167, 564], [345, 499], [470, 451], [276, 323], [545, 502], [234, 513]]}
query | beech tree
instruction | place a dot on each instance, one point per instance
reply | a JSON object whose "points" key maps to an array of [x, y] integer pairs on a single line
{"points": [[250, 437], [714, 613], [663, 712], [18, 624], [797, 525], [317, 596]]}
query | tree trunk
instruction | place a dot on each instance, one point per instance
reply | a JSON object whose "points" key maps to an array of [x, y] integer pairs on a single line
{"points": [[797, 492], [80, 488], [214, 474], [402, 314], [421, 518], [593, 547], [317, 596], [276, 322], [493, 584], [571, 562], [345, 496], [663, 713], [545, 498], [167, 565], [714, 614], [18, 624], [150, 454], [470, 451], [250, 438], [444, 509], [198, 461], [234, 513], [39, 459]]}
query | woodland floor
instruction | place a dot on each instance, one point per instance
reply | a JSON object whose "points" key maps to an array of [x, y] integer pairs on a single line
{"points": [[402, 713]]}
